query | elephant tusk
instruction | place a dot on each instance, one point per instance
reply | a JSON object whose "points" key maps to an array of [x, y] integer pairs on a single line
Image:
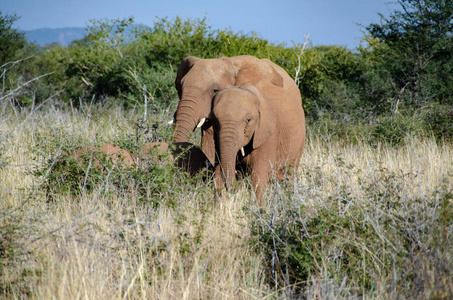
{"points": [[242, 151], [170, 122], [201, 122]]}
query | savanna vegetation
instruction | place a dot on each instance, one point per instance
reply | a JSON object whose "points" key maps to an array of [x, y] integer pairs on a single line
{"points": [[369, 215]]}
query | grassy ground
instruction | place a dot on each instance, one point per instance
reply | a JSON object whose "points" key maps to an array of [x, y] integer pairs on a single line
{"points": [[358, 221]]}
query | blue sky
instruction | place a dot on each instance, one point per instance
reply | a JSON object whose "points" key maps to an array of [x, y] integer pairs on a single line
{"points": [[329, 22]]}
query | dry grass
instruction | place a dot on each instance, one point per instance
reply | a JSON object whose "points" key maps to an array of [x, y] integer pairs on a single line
{"points": [[105, 245], [424, 164], [376, 222]]}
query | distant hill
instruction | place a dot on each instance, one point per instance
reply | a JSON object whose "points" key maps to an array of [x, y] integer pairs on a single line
{"points": [[47, 36]]}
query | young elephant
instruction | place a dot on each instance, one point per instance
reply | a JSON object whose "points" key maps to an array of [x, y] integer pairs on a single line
{"points": [[111, 152], [261, 126]]}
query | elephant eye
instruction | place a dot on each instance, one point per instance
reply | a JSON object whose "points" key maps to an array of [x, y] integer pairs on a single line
{"points": [[247, 121], [215, 91]]}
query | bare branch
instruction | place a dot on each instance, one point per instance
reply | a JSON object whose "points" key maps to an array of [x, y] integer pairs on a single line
{"points": [[15, 91], [8, 66], [302, 49], [146, 94], [13, 63]]}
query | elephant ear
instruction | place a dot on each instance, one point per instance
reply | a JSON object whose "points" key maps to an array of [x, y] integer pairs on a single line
{"points": [[183, 68], [267, 117], [251, 71]]}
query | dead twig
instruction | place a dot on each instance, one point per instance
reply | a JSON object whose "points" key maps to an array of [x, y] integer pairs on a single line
{"points": [[299, 56], [16, 90]]}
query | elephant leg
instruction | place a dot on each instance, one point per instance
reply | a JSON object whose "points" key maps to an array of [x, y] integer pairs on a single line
{"points": [[219, 185], [260, 177]]}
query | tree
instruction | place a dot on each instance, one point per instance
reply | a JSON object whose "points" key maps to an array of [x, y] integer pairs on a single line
{"points": [[83, 42], [110, 33], [11, 39], [415, 51]]}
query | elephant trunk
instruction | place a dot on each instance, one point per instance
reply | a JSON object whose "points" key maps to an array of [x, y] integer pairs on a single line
{"points": [[187, 116], [228, 148]]}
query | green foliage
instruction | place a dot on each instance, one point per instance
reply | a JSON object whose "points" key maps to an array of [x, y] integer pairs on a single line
{"points": [[439, 119], [11, 40], [394, 130], [95, 172], [170, 41], [14, 253], [109, 33], [120, 60], [331, 81], [152, 179], [356, 91], [391, 130], [74, 175], [355, 241], [415, 51]]}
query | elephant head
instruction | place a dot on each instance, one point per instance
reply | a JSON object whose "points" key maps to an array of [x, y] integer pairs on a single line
{"points": [[243, 118], [197, 82]]}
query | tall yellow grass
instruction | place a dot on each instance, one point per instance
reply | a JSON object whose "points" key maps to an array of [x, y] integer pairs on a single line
{"points": [[105, 246]]}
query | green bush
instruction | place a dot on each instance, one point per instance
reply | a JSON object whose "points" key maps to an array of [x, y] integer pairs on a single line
{"points": [[11, 40], [331, 129], [329, 72], [151, 180], [70, 176], [92, 170], [439, 118], [125, 63], [394, 130], [380, 235]]}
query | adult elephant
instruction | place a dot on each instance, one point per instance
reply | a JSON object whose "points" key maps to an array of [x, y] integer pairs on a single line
{"points": [[261, 126], [198, 80]]}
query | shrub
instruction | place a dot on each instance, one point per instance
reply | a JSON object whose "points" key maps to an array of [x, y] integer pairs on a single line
{"points": [[152, 179], [438, 118], [126, 64], [378, 236], [11, 40], [84, 173], [394, 130], [331, 81]]}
